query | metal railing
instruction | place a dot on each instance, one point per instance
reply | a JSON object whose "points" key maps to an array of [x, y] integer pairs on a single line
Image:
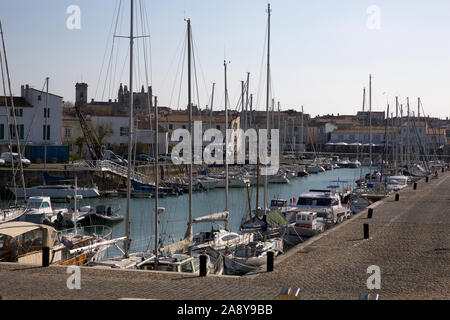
{"points": [[109, 166]]}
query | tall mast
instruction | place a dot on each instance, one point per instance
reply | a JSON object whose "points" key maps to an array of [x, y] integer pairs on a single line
{"points": [[301, 139], [156, 177], [211, 109], [267, 99], [246, 123], [46, 114], [370, 126], [19, 152], [408, 145], [130, 135], [226, 145], [364, 98], [189, 231], [8, 123]]}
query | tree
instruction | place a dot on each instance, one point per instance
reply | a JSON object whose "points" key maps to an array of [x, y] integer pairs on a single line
{"points": [[104, 130]]}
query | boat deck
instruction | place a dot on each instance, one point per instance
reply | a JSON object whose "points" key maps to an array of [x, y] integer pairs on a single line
{"points": [[409, 241]]}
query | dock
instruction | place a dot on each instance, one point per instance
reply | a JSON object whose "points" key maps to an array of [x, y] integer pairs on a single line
{"points": [[408, 240]]}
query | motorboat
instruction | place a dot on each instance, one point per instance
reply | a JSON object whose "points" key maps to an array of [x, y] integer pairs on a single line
{"points": [[100, 215], [395, 183], [39, 210], [326, 203], [307, 224], [207, 182], [314, 169], [56, 191]]}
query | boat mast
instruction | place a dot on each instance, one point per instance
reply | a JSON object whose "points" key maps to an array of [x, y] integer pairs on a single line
{"points": [[211, 109], [189, 230], [267, 100], [19, 152], [8, 126], [130, 135], [46, 114], [226, 145], [408, 150], [370, 127], [156, 148]]}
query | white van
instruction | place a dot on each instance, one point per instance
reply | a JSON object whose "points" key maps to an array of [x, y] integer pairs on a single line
{"points": [[8, 157]]}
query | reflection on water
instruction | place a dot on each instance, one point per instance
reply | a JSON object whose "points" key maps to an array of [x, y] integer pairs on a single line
{"points": [[173, 221]]}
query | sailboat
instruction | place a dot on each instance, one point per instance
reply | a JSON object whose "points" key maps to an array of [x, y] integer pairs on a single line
{"points": [[250, 256], [15, 211]]}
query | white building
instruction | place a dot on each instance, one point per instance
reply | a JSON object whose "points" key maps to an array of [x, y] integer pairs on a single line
{"points": [[35, 121]]}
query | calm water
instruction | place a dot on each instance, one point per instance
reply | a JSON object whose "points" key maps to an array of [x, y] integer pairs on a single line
{"points": [[173, 221]]}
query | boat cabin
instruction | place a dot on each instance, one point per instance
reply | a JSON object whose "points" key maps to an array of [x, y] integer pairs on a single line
{"points": [[22, 242], [40, 205], [277, 204], [306, 220]]}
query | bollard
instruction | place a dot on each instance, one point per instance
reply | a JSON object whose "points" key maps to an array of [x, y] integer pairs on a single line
{"points": [[426, 179], [270, 261], [369, 213], [443, 169], [203, 265], [415, 185], [366, 231], [45, 256], [397, 197]]}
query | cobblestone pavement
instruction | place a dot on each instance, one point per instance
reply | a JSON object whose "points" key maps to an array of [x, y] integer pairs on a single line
{"points": [[409, 241]]}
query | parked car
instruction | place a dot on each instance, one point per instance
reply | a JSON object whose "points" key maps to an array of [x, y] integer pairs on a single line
{"points": [[111, 156], [141, 159], [9, 157], [2, 163]]}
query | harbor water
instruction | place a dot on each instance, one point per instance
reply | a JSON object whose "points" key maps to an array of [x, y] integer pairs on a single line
{"points": [[173, 221]]}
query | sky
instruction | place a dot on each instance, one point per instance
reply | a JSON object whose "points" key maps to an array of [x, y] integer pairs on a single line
{"points": [[322, 51]]}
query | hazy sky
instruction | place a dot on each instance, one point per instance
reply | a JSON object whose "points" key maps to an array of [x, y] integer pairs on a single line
{"points": [[322, 51]]}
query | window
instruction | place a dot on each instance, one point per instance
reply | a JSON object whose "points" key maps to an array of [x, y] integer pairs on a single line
{"points": [[124, 131], [186, 267], [46, 132], [20, 131], [218, 127], [67, 132], [183, 126], [17, 112], [170, 126], [2, 131], [46, 112]]}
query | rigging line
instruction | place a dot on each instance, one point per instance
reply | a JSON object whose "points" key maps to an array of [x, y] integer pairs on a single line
{"points": [[202, 73], [195, 77], [149, 41], [117, 9], [119, 27], [261, 72], [179, 49], [182, 50], [111, 58], [182, 72]]}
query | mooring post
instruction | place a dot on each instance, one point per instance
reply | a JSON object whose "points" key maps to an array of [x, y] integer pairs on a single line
{"points": [[415, 185], [366, 231], [270, 261], [397, 197], [203, 265], [369, 213], [426, 179], [45, 256]]}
